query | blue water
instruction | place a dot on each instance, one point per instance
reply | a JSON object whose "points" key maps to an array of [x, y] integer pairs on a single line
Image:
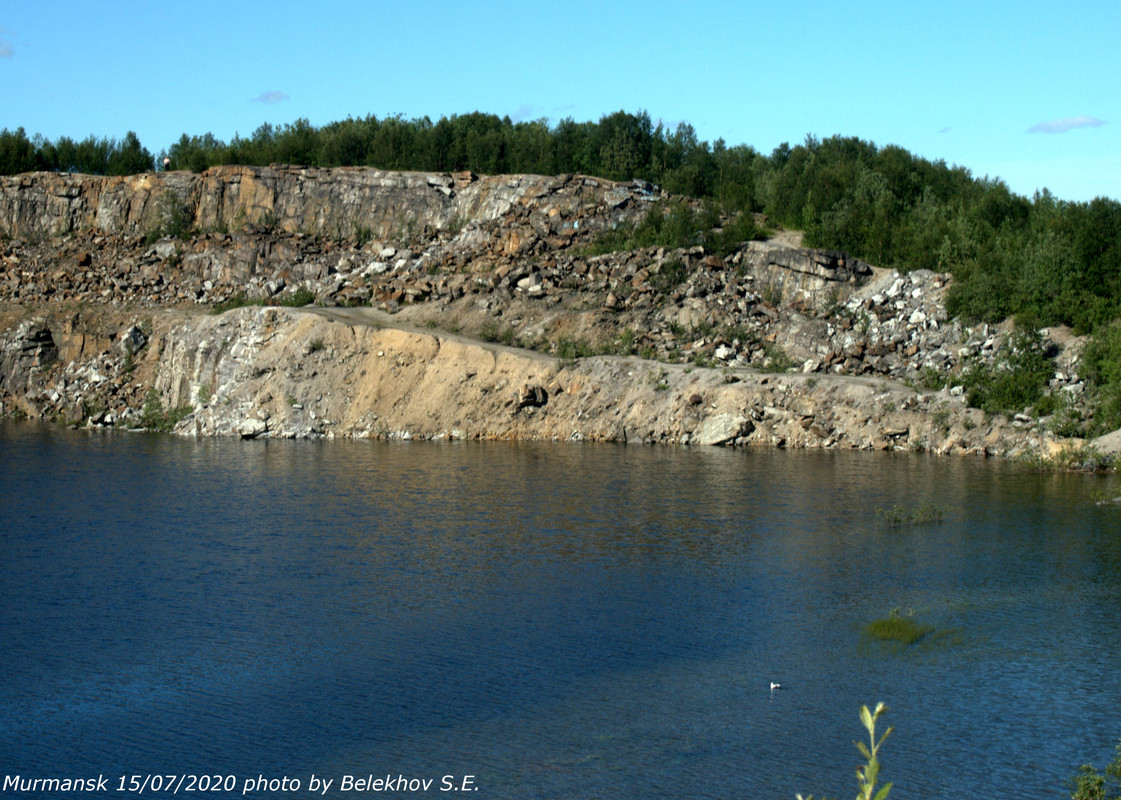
{"points": [[553, 620]]}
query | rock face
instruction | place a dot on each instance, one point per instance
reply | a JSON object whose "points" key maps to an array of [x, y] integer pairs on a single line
{"points": [[289, 373], [336, 203], [462, 306], [26, 349]]}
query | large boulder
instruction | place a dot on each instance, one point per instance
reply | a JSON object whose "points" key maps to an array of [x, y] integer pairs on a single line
{"points": [[723, 429]]}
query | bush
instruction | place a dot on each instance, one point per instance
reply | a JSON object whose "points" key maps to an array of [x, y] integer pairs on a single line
{"points": [[669, 277], [173, 218], [1018, 380], [154, 417], [679, 225], [297, 299], [238, 300], [570, 349], [1101, 367], [490, 332]]}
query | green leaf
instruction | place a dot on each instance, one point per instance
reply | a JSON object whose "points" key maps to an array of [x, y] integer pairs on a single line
{"points": [[888, 731]]}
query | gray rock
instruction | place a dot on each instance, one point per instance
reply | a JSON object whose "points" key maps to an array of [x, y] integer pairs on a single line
{"points": [[252, 428], [133, 340], [723, 429]]}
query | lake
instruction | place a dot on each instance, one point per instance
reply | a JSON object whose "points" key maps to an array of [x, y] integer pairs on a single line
{"points": [[545, 620]]}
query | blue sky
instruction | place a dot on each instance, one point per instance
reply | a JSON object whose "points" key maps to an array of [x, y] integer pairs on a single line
{"points": [[1025, 91]]}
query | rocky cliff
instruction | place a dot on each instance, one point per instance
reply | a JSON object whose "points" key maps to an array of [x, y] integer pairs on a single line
{"points": [[464, 306]]}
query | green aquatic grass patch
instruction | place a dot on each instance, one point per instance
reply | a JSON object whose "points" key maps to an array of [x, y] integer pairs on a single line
{"points": [[900, 516], [901, 630]]}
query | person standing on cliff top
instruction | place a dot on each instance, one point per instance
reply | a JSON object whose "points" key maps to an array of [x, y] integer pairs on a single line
{"points": [[166, 164]]}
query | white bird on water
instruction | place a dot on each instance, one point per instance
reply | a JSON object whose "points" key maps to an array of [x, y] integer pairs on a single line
{"points": [[775, 686]]}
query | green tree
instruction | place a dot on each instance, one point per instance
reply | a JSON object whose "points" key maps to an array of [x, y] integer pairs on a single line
{"points": [[17, 153], [129, 157], [622, 144]]}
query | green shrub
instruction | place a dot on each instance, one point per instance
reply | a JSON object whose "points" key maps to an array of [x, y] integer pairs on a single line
{"points": [[625, 342], [238, 300], [775, 359], [679, 225], [671, 275], [297, 299], [1018, 379], [569, 349], [931, 379], [1082, 458], [173, 218], [154, 417], [1101, 367], [489, 332]]}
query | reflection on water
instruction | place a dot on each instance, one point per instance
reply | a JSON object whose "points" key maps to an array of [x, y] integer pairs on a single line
{"points": [[556, 620]]}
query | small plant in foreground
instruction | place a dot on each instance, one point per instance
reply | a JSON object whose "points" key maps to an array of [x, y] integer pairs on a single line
{"points": [[868, 773]]}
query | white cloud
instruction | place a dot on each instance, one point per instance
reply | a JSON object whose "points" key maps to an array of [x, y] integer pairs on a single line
{"points": [[270, 97], [1067, 124]]}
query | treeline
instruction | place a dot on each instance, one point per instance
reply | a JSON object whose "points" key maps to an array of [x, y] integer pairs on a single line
{"points": [[620, 146], [1046, 260], [92, 155]]}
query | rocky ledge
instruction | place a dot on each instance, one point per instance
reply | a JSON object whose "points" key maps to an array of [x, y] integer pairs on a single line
{"points": [[468, 306]]}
